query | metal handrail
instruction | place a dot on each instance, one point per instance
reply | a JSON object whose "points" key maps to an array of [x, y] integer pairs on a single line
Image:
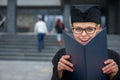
{"points": [[2, 21]]}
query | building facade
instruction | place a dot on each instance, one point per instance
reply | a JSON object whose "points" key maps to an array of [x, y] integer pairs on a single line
{"points": [[21, 15]]}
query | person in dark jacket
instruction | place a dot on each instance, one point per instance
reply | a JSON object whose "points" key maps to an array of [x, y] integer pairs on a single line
{"points": [[85, 26], [59, 27]]}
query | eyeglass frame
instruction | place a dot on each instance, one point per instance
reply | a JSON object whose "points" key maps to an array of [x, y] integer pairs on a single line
{"points": [[85, 29]]}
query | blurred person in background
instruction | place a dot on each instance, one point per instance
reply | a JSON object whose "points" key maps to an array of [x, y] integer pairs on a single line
{"points": [[40, 30], [59, 27]]}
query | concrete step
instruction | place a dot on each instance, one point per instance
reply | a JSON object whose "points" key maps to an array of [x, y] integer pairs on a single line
{"points": [[24, 47], [25, 39], [27, 47], [29, 58], [27, 43], [28, 50], [22, 37], [38, 54], [113, 37]]}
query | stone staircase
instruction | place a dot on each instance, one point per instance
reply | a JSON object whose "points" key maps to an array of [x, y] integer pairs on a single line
{"points": [[24, 47], [114, 42]]}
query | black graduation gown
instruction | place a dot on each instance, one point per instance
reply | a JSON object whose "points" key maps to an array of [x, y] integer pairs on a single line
{"points": [[67, 75]]}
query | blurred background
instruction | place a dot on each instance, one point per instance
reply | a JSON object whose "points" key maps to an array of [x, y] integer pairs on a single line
{"points": [[19, 57], [22, 14]]}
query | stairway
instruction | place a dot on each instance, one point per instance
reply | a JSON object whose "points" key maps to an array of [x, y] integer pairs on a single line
{"points": [[114, 42], [24, 47]]}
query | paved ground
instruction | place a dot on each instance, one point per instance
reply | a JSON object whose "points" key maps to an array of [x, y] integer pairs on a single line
{"points": [[25, 70]]}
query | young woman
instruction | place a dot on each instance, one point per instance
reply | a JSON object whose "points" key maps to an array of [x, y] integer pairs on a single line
{"points": [[84, 29]]}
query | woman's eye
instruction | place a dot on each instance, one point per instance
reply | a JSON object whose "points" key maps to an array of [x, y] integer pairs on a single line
{"points": [[90, 29], [78, 29]]}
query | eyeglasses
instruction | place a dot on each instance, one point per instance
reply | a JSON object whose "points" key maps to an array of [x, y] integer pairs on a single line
{"points": [[88, 30]]}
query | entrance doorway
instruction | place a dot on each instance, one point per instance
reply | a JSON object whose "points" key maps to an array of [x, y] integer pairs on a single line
{"points": [[51, 20]]}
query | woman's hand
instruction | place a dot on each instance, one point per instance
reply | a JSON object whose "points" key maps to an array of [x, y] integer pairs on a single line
{"points": [[111, 68], [64, 64]]}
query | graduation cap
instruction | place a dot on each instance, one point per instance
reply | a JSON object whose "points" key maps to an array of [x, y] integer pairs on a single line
{"points": [[85, 13]]}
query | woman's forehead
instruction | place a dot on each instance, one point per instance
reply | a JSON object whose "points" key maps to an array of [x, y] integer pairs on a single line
{"points": [[84, 23]]}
